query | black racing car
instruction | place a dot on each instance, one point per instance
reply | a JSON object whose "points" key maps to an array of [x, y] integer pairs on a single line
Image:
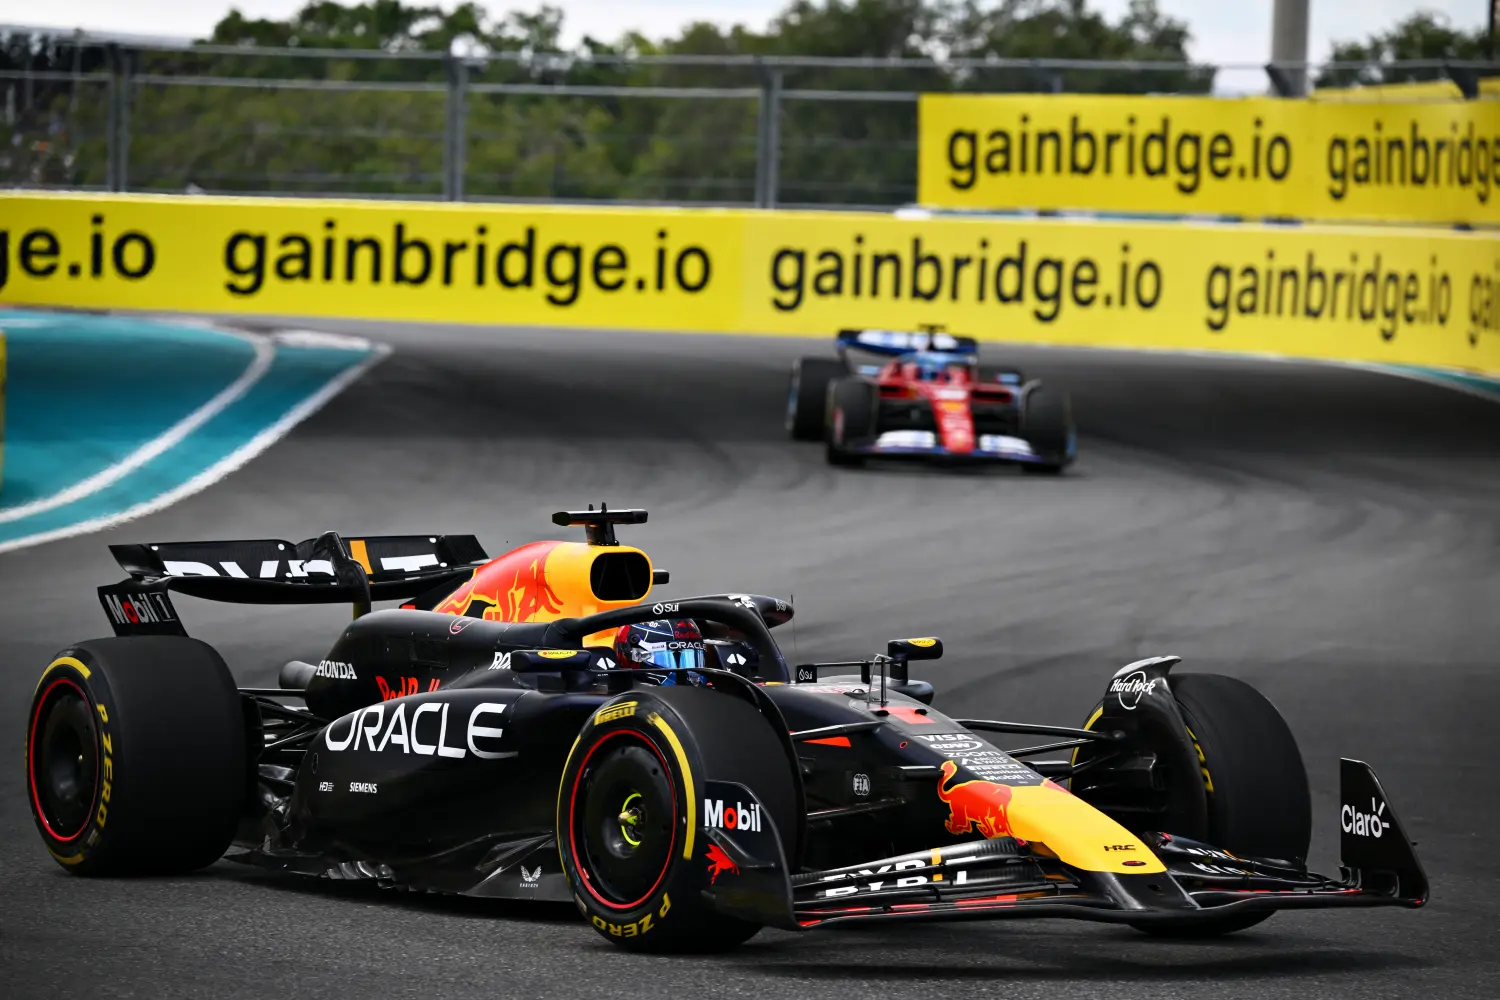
{"points": [[679, 808]]}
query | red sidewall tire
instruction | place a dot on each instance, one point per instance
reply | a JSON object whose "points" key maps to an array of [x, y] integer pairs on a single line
{"points": [[573, 835], [67, 676], [164, 749], [672, 915]]}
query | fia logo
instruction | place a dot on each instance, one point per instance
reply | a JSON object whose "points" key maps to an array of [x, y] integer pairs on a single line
{"points": [[529, 879], [861, 785]]}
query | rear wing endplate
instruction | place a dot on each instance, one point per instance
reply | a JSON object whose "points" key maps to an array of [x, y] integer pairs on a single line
{"points": [[328, 569]]}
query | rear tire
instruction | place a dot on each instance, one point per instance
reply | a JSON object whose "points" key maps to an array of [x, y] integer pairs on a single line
{"points": [[852, 408], [634, 884], [135, 756], [1258, 800], [807, 396], [1047, 425]]}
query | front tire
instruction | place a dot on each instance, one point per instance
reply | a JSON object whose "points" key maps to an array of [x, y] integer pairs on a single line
{"points": [[637, 864], [1047, 425], [850, 422], [806, 396], [136, 757], [1254, 780], [1250, 758]]}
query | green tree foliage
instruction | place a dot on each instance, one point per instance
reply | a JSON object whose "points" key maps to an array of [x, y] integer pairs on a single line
{"points": [[1423, 35], [51, 129], [1068, 29], [241, 117], [391, 26]]}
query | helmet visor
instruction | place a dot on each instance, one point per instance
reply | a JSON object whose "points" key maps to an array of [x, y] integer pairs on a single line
{"points": [[671, 659]]}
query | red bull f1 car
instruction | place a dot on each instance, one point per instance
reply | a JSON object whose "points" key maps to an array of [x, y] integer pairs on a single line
{"points": [[485, 738], [930, 398]]}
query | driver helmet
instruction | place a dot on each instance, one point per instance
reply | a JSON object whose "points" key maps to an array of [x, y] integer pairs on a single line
{"points": [[927, 368], [671, 643]]}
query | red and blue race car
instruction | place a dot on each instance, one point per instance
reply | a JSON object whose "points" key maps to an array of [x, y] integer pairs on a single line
{"points": [[931, 398]]}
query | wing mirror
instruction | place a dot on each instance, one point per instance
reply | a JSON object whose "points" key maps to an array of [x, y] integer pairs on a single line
{"points": [[891, 668], [915, 649], [536, 661]]}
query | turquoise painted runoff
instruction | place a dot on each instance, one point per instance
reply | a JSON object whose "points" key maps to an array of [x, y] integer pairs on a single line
{"points": [[84, 393]]}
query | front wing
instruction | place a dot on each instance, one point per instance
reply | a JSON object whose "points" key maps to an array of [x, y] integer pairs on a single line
{"points": [[1004, 877], [915, 443], [998, 879]]}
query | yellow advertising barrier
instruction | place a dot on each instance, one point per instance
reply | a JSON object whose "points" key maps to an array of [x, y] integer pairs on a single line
{"points": [[1434, 161], [1422, 297], [382, 260], [1421, 90]]}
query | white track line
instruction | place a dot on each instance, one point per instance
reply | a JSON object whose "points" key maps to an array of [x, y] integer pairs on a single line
{"points": [[265, 353], [229, 463]]}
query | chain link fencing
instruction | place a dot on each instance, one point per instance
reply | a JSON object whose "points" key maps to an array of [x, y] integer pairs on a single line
{"points": [[692, 130]]}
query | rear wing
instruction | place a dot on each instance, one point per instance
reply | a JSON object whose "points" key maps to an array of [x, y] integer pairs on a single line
{"points": [[324, 570], [894, 343]]}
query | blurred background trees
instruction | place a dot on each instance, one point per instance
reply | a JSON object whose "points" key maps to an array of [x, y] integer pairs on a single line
{"points": [[339, 122], [1423, 35]]}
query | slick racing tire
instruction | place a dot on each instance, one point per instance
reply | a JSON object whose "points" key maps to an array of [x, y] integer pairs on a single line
{"points": [[850, 419], [1047, 425], [136, 757], [805, 399], [1254, 779], [632, 814]]}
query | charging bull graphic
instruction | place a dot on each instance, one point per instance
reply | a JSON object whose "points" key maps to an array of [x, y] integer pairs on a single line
{"points": [[979, 804], [512, 588], [719, 863]]}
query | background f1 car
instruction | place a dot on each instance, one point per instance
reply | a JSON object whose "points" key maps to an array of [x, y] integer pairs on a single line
{"points": [[930, 399], [482, 740]]}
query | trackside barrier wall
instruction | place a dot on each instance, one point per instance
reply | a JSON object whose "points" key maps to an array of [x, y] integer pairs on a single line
{"points": [[2, 407], [1341, 157], [1393, 295], [1419, 90]]}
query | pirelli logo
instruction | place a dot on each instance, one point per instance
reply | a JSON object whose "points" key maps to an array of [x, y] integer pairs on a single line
{"points": [[613, 713]]}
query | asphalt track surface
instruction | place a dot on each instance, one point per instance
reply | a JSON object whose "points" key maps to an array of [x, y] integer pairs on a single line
{"points": [[1331, 535]]}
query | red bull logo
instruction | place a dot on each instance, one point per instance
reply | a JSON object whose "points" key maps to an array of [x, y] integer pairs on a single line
{"points": [[981, 805], [403, 687], [719, 863], [524, 597]]}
